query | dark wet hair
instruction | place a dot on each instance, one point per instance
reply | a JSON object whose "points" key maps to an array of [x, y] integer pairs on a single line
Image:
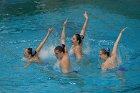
{"points": [[31, 51], [60, 48], [106, 51], [79, 38]]}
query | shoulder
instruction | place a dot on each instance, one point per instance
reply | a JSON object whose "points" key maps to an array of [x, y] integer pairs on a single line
{"points": [[79, 47], [33, 58], [66, 55], [113, 56]]}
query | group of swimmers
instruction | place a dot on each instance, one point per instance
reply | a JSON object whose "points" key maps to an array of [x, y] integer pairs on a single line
{"points": [[61, 52]]}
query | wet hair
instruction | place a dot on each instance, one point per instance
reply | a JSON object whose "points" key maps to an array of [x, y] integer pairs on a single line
{"points": [[60, 48], [79, 38], [106, 51], [31, 51]]}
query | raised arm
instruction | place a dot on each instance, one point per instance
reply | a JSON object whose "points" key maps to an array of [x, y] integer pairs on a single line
{"points": [[114, 51], [63, 35], [43, 42], [85, 24]]}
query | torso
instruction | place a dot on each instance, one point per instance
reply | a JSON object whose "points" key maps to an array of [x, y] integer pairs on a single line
{"points": [[77, 50]]}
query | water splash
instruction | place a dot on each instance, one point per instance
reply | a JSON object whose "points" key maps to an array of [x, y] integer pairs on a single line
{"points": [[47, 52]]}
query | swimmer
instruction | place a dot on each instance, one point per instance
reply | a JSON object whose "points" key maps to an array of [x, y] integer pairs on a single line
{"points": [[110, 61], [77, 40], [61, 53], [32, 55]]}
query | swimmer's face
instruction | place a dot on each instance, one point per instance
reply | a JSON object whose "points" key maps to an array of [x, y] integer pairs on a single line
{"points": [[26, 54], [74, 40], [58, 54], [102, 55]]}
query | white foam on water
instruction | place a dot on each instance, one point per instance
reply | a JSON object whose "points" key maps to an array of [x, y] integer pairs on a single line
{"points": [[86, 50], [47, 52]]}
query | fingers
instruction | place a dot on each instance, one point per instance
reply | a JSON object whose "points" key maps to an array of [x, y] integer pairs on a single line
{"points": [[123, 29], [50, 29], [65, 22], [86, 15], [86, 12]]}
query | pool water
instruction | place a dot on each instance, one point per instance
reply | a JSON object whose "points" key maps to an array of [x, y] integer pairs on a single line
{"points": [[24, 23]]}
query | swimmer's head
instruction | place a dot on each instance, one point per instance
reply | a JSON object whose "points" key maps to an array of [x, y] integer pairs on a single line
{"points": [[59, 52], [28, 52], [76, 39], [104, 53]]}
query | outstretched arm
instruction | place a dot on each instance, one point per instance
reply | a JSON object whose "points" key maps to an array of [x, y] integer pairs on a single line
{"points": [[85, 24], [114, 51], [26, 65], [43, 42]]}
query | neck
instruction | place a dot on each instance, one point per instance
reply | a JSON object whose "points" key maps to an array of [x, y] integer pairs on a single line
{"points": [[60, 58], [30, 57], [76, 45], [106, 58]]}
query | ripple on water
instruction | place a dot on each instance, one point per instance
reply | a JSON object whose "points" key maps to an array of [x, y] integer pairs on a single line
{"points": [[10, 30]]}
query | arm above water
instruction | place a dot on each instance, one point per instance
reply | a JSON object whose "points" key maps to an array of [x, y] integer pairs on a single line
{"points": [[63, 34], [44, 40], [85, 24], [114, 51]]}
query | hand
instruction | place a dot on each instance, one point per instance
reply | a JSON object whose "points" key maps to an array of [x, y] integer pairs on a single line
{"points": [[86, 15], [50, 30], [123, 29], [65, 22]]}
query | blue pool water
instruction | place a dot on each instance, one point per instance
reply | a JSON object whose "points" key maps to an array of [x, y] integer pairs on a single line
{"points": [[24, 23]]}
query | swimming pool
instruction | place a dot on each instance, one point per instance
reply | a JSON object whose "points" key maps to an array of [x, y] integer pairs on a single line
{"points": [[24, 23]]}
